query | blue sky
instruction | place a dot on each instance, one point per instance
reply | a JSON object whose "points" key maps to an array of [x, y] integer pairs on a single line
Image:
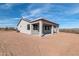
{"points": [[67, 15]]}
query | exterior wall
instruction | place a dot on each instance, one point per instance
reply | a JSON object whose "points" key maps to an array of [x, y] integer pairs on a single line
{"points": [[47, 31], [35, 31], [22, 27], [56, 30]]}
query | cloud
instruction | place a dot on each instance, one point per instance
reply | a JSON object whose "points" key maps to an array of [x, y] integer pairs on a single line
{"points": [[64, 14], [44, 10], [59, 13], [72, 10], [8, 5], [75, 11], [36, 10], [32, 13]]}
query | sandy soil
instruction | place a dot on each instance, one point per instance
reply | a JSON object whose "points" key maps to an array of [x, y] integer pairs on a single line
{"points": [[19, 44]]}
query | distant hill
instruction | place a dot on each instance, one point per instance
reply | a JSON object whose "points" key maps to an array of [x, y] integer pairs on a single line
{"points": [[8, 29], [72, 30]]}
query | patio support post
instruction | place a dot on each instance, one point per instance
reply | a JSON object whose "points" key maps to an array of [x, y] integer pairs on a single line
{"points": [[31, 28], [52, 30], [40, 28]]}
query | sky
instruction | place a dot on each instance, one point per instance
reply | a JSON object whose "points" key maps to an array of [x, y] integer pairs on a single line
{"points": [[65, 14]]}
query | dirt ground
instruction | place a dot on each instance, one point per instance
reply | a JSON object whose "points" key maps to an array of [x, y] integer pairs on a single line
{"points": [[18, 44]]}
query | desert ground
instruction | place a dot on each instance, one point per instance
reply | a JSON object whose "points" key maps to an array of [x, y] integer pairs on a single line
{"points": [[13, 43]]}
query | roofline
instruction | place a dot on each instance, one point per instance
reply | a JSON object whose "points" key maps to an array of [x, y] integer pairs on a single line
{"points": [[45, 20], [42, 19], [21, 20]]}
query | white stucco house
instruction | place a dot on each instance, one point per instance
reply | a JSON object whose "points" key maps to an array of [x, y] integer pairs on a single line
{"points": [[40, 26]]}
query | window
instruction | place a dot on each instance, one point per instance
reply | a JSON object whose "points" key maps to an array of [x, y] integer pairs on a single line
{"points": [[28, 27], [35, 27], [54, 26], [47, 27]]}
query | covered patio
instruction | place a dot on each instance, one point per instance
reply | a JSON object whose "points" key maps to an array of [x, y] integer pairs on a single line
{"points": [[43, 27]]}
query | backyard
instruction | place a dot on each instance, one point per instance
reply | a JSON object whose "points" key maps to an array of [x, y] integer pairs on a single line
{"points": [[18, 44]]}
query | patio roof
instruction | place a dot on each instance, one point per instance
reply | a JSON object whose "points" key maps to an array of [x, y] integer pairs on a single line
{"points": [[43, 19]]}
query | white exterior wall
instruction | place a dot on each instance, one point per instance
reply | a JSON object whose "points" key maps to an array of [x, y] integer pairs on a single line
{"points": [[57, 30], [22, 27]]}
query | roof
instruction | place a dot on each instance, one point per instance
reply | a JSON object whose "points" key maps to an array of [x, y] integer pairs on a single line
{"points": [[38, 19], [25, 19], [43, 19]]}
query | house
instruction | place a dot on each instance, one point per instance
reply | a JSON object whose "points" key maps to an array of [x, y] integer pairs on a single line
{"points": [[39, 26]]}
